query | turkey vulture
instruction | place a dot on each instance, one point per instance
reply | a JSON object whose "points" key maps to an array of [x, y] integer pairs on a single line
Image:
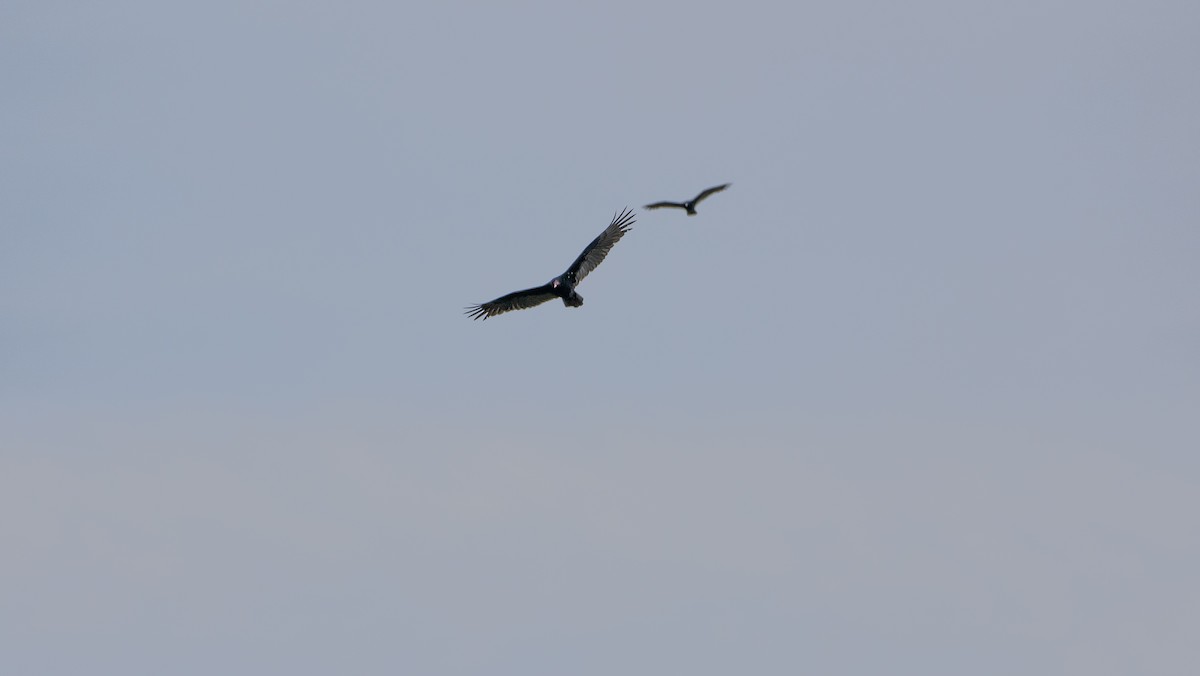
{"points": [[562, 286], [690, 205]]}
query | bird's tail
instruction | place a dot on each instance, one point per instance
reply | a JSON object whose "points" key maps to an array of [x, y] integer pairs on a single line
{"points": [[573, 300]]}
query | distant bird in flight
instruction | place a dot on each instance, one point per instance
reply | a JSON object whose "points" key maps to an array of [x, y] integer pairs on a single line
{"points": [[562, 286], [690, 205]]}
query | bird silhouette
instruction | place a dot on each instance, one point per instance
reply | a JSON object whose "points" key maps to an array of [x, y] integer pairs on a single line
{"points": [[690, 205], [562, 286]]}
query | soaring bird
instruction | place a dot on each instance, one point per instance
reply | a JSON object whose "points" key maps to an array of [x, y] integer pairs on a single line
{"points": [[691, 204], [562, 286]]}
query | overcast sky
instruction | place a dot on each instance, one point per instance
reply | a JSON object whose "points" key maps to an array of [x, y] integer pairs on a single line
{"points": [[918, 394]]}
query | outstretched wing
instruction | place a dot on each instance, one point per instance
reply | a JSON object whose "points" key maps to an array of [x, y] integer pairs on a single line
{"points": [[599, 248], [710, 191], [517, 300], [659, 205]]}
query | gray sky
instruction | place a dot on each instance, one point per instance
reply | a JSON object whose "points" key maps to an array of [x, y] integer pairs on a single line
{"points": [[917, 395]]}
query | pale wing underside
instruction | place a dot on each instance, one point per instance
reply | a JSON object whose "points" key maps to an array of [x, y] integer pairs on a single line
{"points": [[595, 252]]}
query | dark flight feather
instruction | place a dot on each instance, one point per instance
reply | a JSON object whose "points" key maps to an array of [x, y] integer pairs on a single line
{"points": [[517, 300], [710, 191], [659, 205]]}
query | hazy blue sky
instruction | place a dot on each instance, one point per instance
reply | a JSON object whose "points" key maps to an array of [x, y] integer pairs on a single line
{"points": [[919, 394]]}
